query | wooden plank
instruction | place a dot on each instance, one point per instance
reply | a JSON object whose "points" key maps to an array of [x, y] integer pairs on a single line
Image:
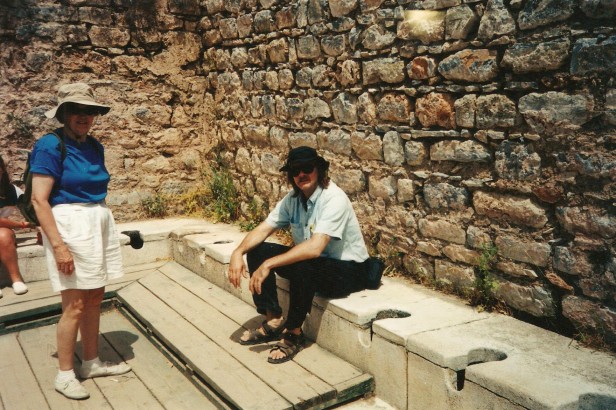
{"points": [[356, 387], [167, 384], [124, 391], [42, 289], [39, 346], [328, 367], [46, 302], [293, 382], [223, 301], [150, 266], [19, 388], [36, 290], [219, 369], [176, 361], [34, 307]]}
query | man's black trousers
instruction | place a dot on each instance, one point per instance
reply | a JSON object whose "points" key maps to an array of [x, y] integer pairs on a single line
{"points": [[330, 277]]}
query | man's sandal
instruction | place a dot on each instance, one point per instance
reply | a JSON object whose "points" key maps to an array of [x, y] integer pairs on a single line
{"points": [[290, 345], [269, 334]]}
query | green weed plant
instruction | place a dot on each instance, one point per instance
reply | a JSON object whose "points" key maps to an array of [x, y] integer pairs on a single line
{"points": [[483, 293], [224, 205], [255, 214], [155, 206]]}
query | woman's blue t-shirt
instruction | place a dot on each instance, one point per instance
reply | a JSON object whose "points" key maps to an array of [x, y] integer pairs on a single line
{"points": [[82, 178]]}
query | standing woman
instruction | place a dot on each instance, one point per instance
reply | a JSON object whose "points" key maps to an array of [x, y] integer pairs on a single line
{"points": [[8, 250], [79, 234]]}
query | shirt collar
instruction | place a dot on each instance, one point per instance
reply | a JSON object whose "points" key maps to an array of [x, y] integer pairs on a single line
{"points": [[316, 194]]}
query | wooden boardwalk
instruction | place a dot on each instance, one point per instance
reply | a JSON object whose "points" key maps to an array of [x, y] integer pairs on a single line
{"points": [[28, 366], [42, 306], [179, 333], [201, 324]]}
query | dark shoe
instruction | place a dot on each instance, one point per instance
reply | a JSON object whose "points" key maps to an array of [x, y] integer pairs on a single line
{"points": [[290, 345], [269, 334]]}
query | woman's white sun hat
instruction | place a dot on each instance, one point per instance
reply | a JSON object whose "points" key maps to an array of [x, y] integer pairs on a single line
{"points": [[78, 93]]}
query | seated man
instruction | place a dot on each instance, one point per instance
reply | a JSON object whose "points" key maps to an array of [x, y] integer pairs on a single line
{"points": [[329, 256]]}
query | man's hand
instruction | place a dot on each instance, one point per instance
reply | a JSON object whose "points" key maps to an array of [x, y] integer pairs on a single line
{"points": [[258, 277], [237, 269], [64, 259]]}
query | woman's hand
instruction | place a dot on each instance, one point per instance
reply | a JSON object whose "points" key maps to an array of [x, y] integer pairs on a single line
{"points": [[257, 279], [25, 224], [64, 259], [237, 269]]}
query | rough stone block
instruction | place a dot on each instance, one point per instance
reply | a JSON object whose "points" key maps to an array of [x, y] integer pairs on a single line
{"points": [[470, 65]]}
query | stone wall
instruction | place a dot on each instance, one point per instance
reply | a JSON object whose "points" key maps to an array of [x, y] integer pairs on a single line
{"points": [[450, 124]]}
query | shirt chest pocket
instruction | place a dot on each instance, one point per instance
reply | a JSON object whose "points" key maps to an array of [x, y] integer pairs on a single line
{"points": [[297, 231]]}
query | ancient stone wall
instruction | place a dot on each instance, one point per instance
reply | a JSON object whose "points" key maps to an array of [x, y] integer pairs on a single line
{"points": [[451, 124]]}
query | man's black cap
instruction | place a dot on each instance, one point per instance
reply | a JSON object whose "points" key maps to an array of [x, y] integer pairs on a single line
{"points": [[302, 155]]}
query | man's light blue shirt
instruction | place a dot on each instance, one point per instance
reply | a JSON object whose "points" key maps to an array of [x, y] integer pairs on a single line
{"points": [[328, 211]]}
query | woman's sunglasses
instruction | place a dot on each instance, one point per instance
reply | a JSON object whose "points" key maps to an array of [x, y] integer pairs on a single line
{"points": [[306, 169], [76, 109]]}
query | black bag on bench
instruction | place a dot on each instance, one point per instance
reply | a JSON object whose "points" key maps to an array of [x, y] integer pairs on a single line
{"points": [[374, 272]]}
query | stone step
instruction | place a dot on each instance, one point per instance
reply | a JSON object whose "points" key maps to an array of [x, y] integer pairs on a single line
{"points": [[200, 324]]}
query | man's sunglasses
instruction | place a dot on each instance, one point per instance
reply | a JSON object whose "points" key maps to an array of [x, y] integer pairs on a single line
{"points": [[306, 169], [76, 109]]}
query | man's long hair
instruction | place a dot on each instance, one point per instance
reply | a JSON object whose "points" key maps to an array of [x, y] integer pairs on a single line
{"points": [[5, 182], [322, 177]]}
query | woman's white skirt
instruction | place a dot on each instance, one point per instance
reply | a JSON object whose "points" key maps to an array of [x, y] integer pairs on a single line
{"points": [[90, 233]]}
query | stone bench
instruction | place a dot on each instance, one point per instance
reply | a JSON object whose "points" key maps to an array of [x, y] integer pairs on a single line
{"points": [[155, 234], [425, 350]]}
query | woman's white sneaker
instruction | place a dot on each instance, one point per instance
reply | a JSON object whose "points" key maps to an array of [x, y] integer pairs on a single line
{"points": [[19, 288], [72, 389], [104, 369]]}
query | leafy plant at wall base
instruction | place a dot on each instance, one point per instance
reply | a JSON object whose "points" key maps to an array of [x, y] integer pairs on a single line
{"points": [[389, 251], [593, 340], [225, 205], [255, 215], [193, 202], [594, 337], [155, 206], [384, 247], [482, 294]]}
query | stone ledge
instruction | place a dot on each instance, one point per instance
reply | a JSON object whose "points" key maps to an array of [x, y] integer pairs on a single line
{"points": [[517, 360], [408, 337], [33, 265]]}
